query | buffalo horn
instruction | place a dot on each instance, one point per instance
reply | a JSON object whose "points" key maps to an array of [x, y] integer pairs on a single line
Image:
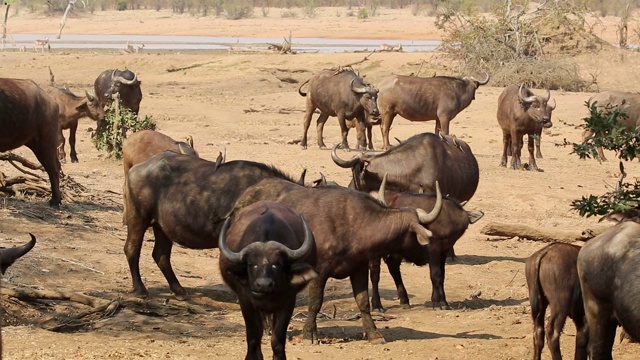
{"points": [[528, 99], [302, 176], [483, 82], [89, 96], [233, 257], [305, 248], [547, 96], [125, 81], [344, 163], [427, 218], [554, 105], [358, 89], [8, 256], [382, 189]]}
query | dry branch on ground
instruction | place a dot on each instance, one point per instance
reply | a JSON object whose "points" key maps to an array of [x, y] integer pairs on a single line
{"points": [[540, 234]]}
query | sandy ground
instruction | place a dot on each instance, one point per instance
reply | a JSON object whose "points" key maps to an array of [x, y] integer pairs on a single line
{"points": [[80, 246]]}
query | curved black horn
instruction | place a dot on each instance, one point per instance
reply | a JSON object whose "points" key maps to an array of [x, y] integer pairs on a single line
{"points": [[8, 256], [428, 218], [527, 99], [233, 257], [483, 82], [302, 176], [122, 80], [305, 248], [344, 163], [302, 93], [358, 89]]}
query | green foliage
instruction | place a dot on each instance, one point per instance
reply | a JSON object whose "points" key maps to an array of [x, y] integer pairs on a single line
{"points": [[607, 131], [112, 131], [363, 13], [121, 5], [238, 9]]}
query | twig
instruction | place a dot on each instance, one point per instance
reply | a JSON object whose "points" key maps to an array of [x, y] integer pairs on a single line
{"points": [[79, 264], [174, 69]]}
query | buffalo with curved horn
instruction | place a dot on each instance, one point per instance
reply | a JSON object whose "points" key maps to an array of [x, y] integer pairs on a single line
{"points": [[124, 82]]}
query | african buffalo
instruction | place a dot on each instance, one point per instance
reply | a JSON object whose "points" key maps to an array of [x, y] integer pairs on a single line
{"points": [[609, 272], [185, 199], [349, 227], [627, 102], [10, 255], [520, 113], [72, 108], [124, 82], [262, 259], [30, 117], [144, 144], [438, 98], [552, 279], [448, 227], [416, 164], [341, 93]]}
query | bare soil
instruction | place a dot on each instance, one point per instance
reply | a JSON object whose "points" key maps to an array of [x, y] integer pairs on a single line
{"points": [[238, 103]]}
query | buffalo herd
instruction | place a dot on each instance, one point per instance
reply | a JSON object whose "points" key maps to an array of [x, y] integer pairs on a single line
{"points": [[278, 236]]}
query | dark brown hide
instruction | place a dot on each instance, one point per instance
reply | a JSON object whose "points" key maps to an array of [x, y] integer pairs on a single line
{"points": [[144, 144], [30, 118], [124, 82], [438, 98], [416, 164], [9, 255], [343, 94], [269, 263], [609, 271], [520, 113], [185, 199], [71, 109], [552, 279], [350, 227]]}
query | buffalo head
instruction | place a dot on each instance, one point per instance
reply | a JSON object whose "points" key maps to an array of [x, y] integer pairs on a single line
{"points": [[268, 266], [368, 96], [536, 106]]}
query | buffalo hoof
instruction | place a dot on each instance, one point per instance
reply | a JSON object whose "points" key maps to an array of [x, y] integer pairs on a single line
{"points": [[323, 147], [74, 160], [181, 297], [379, 309], [303, 147], [406, 306], [377, 341], [140, 294]]}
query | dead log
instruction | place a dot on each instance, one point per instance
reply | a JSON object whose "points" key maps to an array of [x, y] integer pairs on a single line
{"points": [[9, 156], [64, 17], [174, 69], [540, 234]]}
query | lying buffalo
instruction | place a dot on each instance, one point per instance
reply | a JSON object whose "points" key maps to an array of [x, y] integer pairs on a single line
{"points": [[438, 98], [341, 93], [415, 165], [349, 227], [30, 118], [262, 259], [123, 82], [10, 255]]}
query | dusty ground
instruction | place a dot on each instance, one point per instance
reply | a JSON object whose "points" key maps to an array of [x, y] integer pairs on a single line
{"points": [[80, 246]]}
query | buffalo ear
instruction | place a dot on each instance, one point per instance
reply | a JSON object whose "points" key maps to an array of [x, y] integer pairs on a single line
{"points": [[474, 215], [302, 273], [239, 271], [422, 234]]}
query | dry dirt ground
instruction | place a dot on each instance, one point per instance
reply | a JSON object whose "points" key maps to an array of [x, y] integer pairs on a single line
{"points": [[80, 246]]}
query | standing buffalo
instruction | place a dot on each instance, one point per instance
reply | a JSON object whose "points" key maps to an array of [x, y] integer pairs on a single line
{"points": [[520, 113], [262, 259], [341, 93], [72, 108], [416, 164], [448, 227], [144, 144], [552, 279], [125, 83], [349, 227], [438, 98], [10, 255], [629, 103], [185, 199], [30, 117], [609, 271]]}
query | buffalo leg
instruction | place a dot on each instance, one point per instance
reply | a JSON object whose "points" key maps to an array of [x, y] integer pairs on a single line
{"points": [[62, 155], [554, 329], [516, 150], [536, 138], [442, 125], [374, 274], [602, 329], [436, 269], [72, 142], [359, 284], [506, 148], [322, 119], [393, 264], [306, 123], [369, 136], [281, 321], [254, 329], [45, 152], [132, 249], [582, 338], [537, 313], [344, 130], [385, 126], [162, 256], [361, 126], [316, 297], [532, 159]]}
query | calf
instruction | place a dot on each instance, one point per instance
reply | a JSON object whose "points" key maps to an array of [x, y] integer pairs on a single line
{"points": [[552, 278], [71, 109], [609, 272], [262, 259], [30, 118]]}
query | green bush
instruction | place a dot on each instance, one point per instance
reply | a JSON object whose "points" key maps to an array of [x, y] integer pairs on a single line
{"points": [[121, 5], [363, 13], [110, 133], [238, 9]]}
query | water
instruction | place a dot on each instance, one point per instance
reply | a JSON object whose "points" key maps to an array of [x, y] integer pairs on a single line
{"points": [[173, 42]]}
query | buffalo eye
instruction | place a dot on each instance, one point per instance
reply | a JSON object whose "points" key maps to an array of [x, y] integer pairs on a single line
{"points": [[254, 266], [274, 266]]}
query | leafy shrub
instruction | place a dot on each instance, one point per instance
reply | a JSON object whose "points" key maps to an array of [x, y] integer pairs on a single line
{"points": [[611, 135], [121, 5], [238, 9], [363, 13], [110, 133]]}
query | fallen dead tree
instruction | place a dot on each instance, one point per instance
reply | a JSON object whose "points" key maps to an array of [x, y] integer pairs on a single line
{"points": [[540, 234], [174, 69]]}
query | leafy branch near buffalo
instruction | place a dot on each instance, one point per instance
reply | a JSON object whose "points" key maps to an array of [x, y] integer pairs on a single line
{"points": [[110, 133], [609, 133]]}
